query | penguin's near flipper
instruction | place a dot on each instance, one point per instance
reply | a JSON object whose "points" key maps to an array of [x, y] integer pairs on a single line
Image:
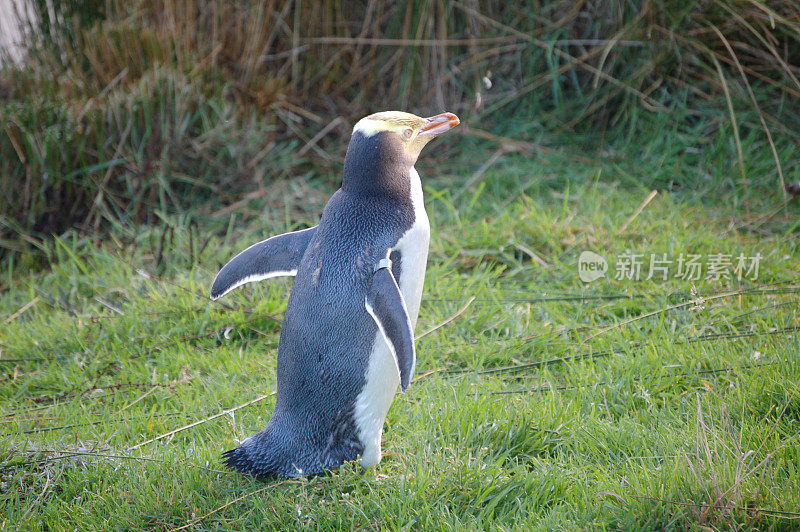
{"points": [[387, 307], [278, 256]]}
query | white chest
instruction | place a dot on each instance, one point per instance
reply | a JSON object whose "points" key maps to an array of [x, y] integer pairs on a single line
{"points": [[382, 374], [413, 249]]}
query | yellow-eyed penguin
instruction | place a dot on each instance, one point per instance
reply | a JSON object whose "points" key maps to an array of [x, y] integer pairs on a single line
{"points": [[347, 338]]}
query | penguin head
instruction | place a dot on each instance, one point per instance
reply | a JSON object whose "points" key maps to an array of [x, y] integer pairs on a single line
{"points": [[405, 130], [384, 148]]}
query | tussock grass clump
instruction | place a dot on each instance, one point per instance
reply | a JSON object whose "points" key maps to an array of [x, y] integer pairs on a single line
{"points": [[124, 108], [158, 146]]}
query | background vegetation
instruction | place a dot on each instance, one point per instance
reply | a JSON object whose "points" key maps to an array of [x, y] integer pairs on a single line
{"points": [[126, 109], [143, 143]]}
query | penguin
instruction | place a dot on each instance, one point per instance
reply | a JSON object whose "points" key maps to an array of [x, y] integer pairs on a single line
{"points": [[347, 337]]}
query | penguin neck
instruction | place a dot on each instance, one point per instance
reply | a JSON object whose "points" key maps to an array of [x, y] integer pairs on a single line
{"points": [[378, 165]]}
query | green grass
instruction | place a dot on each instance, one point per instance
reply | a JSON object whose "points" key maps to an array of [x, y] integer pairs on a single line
{"points": [[547, 403]]}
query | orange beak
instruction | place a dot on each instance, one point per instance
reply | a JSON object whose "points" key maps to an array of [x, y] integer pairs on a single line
{"points": [[439, 124]]}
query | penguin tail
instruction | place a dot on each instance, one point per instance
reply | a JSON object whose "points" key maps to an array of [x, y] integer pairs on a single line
{"points": [[238, 460], [260, 463], [265, 456]]}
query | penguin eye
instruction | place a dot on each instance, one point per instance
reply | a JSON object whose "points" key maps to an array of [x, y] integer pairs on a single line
{"points": [[408, 133]]}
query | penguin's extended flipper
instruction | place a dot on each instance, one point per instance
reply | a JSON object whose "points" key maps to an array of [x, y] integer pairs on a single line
{"points": [[386, 306], [278, 256]]}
